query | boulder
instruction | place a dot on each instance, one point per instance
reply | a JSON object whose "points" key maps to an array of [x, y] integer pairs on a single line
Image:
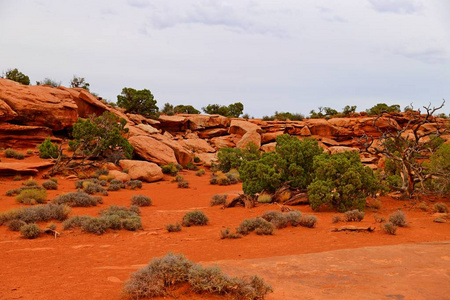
{"points": [[6, 113], [14, 168], [39, 105], [270, 136], [142, 170], [147, 128], [340, 149], [198, 122], [329, 142], [152, 150], [87, 104], [172, 123], [208, 158], [224, 141], [321, 128], [182, 154], [305, 131], [250, 137], [120, 175], [241, 127], [213, 132], [269, 147], [197, 145]]}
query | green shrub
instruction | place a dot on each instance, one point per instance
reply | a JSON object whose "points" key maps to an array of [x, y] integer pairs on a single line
{"points": [[141, 200], [75, 221], [232, 158], [114, 222], [170, 169], [398, 218], [30, 231], [200, 172], [13, 192], [165, 273], [17, 76], [32, 196], [50, 185], [308, 221], [291, 163], [354, 215], [183, 184], [134, 184], [196, 159], [37, 213], [78, 198], [95, 225], [17, 178], [30, 182], [341, 181], [440, 207], [259, 225], [227, 234], [15, 225], [173, 227], [178, 178], [94, 188], [382, 108], [132, 224], [219, 199], [191, 166], [194, 218], [389, 228], [138, 102], [293, 217], [233, 110], [277, 218], [29, 152], [47, 149], [264, 198], [10, 153]]}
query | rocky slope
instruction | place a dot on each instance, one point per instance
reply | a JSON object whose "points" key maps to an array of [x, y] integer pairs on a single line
{"points": [[28, 114]]}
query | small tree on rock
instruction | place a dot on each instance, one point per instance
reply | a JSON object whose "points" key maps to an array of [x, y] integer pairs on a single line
{"points": [[15, 75], [138, 102]]}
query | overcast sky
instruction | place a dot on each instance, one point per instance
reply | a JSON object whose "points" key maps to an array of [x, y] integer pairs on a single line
{"points": [[284, 55]]}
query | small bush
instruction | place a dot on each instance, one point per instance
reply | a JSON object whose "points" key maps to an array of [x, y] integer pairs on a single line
{"points": [[183, 184], [30, 182], [50, 185], [78, 198], [293, 217], [132, 224], [75, 221], [173, 227], [170, 169], [94, 188], [15, 225], [398, 218], [389, 228], [196, 159], [134, 184], [30, 231], [17, 178], [200, 172], [141, 200], [120, 211], [440, 207], [194, 218], [227, 234], [336, 219], [10, 153], [219, 199], [259, 225], [116, 181], [95, 225], [308, 221], [276, 218], [191, 166], [354, 215], [47, 149], [36, 214], [264, 198], [114, 187], [32, 196], [178, 178], [114, 222], [13, 192], [29, 152], [423, 206]]}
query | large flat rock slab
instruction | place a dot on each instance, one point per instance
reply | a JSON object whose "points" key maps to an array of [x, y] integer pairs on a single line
{"points": [[13, 168], [411, 271]]}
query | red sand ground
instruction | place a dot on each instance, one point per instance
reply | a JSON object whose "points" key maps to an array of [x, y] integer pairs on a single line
{"points": [[79, 265]]}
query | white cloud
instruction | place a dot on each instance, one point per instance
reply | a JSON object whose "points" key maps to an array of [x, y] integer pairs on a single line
{"points": [[396, 6], [428, 56]]}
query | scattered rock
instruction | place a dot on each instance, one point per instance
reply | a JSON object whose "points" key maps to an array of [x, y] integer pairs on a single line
{"points": [[120, 175], [142, 170]]}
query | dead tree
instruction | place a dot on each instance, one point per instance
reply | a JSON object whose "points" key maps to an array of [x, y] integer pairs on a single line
{"points": [[408, 145]]}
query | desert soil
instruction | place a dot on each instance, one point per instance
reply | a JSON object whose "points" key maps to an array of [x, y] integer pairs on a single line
{"points": [[300, 263]]}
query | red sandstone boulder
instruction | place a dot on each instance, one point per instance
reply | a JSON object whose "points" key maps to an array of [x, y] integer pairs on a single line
{"points": [[142, 170], [269, 147], [270, 136], [224, 141], [197, 145], [17, 136], [6, 113], [321, 128], [198, 122], [39, 105], [250, 137], [120, 175], [241, 127], [207, 158], [182, 154], [213, 132], [152, 150]]}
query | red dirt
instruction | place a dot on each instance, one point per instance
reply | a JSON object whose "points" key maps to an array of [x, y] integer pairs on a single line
{"points": [[81, 265]]}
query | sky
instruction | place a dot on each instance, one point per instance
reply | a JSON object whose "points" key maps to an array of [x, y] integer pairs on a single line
{"points": [[284, 55]]}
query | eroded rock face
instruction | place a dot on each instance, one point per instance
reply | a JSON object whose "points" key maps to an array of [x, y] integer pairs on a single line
{"points": [[87, 104], [250, 137], [152, 150], [241, 127], [6, 112], [18, 136], [142, 170], [182, 154], [198, 122], [197, 145], [39, 105]]}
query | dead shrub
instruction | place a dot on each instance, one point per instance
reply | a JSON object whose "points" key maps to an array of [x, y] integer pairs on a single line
{"points": [[389, 228], [227, 234], [173, 227], [194, 218], [141, 200], [32, 196], [276, 218], [398, 218], [219, 199], [30, 231], [440, 207], [50, 185], [293, 217], [354, 215], [308, 221], [259, 225], [78, 198]]}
